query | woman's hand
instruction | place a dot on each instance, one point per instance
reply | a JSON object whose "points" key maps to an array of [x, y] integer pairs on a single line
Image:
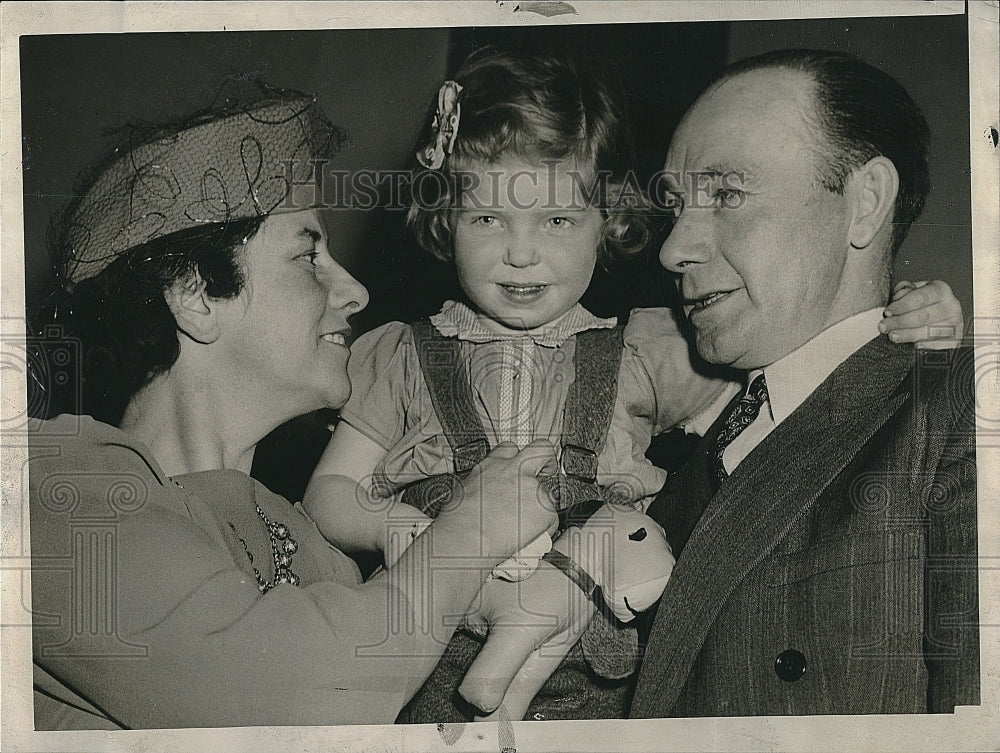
{"points": [[490, 514], [925, 313], [502, 500]]}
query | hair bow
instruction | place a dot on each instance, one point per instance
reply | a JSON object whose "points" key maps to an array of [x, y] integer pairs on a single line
{"points": [[444, 129]]}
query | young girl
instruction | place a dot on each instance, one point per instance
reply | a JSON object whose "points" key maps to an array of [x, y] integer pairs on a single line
{"points": [[520, 142]]}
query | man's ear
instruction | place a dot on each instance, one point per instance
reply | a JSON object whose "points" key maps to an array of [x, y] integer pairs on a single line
{"points": [[194, 310], [874, 187]]}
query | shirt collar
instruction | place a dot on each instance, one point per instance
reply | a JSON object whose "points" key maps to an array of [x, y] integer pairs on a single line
{"points": [[791, 379], [458, 320]]}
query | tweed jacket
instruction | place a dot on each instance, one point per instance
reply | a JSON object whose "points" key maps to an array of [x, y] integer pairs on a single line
{"points": [[834, 572]]}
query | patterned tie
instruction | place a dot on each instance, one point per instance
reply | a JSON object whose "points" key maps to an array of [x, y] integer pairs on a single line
{"points": [[744, 414]]}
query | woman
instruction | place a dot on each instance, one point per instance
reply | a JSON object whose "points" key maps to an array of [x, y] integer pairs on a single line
{"points": [[170, 589]]}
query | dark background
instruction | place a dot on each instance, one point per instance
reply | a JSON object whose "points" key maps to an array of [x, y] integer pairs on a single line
{"points": [[378, 86]]}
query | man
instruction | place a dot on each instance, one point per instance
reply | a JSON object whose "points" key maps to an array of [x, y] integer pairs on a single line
{"points": [[825, 528]]}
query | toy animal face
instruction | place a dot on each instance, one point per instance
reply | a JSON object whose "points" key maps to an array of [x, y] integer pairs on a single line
{"points": [[627, 555], [638, 546], [639, 566]]}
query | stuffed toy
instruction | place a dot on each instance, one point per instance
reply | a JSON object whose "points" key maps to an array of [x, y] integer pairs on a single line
{"points": [[619, 556], [625, 553]]}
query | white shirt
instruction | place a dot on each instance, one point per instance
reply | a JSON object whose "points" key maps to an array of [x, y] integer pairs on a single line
{"points": [[793, 378]]}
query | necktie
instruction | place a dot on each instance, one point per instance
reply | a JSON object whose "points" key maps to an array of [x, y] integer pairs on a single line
{"points": [[744, 414]]}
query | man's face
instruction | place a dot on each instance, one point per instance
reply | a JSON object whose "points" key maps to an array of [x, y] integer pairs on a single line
{"points": [[759, 245]]}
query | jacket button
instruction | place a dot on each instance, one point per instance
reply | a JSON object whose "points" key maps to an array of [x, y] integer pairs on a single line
{"points": [[790, 665]]}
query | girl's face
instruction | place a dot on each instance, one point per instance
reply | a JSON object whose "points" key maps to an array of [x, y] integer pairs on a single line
{"points": [[525, 241]]}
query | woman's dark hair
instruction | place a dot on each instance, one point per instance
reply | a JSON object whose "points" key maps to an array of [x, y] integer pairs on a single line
{"points": [[538, 108], [116, 320], [123, 332]]}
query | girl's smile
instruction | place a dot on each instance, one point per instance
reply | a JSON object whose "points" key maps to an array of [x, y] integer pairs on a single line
{"points": [[523, 293]]}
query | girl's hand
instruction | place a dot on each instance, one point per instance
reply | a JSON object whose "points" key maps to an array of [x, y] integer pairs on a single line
{"points": [[925, 313]]}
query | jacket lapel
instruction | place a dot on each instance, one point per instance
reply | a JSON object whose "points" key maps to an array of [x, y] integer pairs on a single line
{"points": [[679, 505], [758, 504]]}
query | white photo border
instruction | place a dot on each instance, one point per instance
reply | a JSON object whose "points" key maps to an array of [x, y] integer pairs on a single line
{"points": [[969, 728]]}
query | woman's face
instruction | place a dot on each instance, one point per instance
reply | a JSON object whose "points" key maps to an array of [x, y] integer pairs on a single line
{"points": [[286, 334]]}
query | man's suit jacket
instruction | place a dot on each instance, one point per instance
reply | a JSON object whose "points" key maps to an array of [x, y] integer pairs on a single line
{"points": [[834, 572]]}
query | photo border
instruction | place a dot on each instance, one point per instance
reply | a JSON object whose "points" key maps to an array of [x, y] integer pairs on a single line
{"points": [[969, 728]]}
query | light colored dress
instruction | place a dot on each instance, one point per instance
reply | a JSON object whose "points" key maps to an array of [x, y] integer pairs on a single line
{"points": [[520, 383], [147, 612]]}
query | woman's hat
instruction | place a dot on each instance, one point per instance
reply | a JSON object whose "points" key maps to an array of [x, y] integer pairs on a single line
{"points": [[240, 164]]}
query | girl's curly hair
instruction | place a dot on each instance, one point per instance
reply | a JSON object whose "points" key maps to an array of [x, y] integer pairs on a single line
{"points": [[538, 108]]}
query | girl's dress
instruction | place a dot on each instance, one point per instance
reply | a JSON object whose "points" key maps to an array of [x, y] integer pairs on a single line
{"points": [[520, 383], [519, 386]]}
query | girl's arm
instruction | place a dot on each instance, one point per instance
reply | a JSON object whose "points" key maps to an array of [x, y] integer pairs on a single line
{"points": [[925, 313], [662, 383], [340, 501]]}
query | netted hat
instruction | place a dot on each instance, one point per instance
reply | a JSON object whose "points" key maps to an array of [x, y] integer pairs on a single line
{"points": [[238, 164]]}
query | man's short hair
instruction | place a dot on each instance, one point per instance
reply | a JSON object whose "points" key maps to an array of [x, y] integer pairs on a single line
{"points": [[861, 113]]}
